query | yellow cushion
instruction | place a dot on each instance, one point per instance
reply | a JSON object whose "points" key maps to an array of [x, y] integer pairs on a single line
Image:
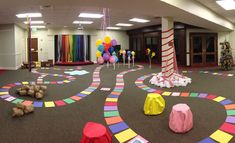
{"points": [[154, 104]]}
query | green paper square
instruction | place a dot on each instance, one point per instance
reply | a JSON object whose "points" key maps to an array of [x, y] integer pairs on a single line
{"points": [[46, 82], [17, 101], [69, 100], [117, 90], [230, 112], [111, 114], [146, 88], [193, 94]]}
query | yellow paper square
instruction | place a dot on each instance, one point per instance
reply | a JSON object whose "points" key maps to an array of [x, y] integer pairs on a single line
{"points": [[112, 99], [219, 98], [125, 135], [25, 82], [4, 93], [66, 81], [55, 75], [86, 92], [221, 136], [138, 82], [49, 104], [166, 93]]}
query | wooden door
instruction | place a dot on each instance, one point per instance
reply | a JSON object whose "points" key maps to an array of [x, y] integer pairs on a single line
{"points": [[154, 44], [203, 49], [34, 49], [136, 43]]}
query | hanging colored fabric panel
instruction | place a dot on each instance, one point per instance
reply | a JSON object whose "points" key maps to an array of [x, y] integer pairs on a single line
{"points": [[72, 48]]}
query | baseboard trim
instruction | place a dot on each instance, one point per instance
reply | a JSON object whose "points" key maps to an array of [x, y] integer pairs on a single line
{"points": [[11, 68]]}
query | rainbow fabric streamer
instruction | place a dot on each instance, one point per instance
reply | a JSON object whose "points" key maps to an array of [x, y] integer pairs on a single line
{"points": [[72, 48]]}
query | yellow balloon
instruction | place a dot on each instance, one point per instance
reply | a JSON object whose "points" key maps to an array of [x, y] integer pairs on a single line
{"points": [[98, 42], [98, 54], [153, 54], [133, 53], [148, 51], [107, 39], [120, 52]]}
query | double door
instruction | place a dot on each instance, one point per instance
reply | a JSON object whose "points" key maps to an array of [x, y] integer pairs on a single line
{"points": [[203, 49]]}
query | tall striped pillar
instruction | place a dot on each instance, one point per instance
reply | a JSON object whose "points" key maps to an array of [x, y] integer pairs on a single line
{"points": [[168, 51]]}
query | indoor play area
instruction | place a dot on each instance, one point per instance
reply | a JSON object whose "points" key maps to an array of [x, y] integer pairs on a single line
{"points": [[166, 81]]}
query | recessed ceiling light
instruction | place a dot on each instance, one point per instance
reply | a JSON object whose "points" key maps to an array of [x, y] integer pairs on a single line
{"points": [[124, 24], [25, 15], [139, 20], [113, 28], [38, 26], [34, 22], [82, 22], [90, 15], [226, 4]]}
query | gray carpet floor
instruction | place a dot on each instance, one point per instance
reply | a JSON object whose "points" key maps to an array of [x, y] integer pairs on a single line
{"points": [[65, 124]]}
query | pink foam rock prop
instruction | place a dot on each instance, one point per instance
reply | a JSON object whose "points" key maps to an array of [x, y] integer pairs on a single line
{"points": [[181, 118]]}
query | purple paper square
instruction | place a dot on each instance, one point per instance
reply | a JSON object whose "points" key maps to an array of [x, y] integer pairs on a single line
{"points": [[81, 95], [230, 119], [37, 104], [113, 96], [225, 102], [5, 96], [151, 90], [17, 83], [3, 89], [202, 95], [207, 140], [110, 108], [118, 127]]}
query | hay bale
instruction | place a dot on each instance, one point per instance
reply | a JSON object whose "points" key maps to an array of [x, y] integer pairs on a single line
{"points": [[20, 106], [31, 93], [29, 109], [22, 92], [43, 87], [18, 90], [17, 112], [39, 95]]}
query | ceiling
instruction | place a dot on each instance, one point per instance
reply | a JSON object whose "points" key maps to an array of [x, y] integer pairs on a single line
{"points": [[63, 12], [211, 4]]}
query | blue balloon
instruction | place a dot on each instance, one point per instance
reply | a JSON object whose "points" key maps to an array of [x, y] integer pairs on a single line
{"points": [[116, 58], [101, 48], [111, 50], [128, 53]]}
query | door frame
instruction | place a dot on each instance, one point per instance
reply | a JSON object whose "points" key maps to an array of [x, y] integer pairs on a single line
{"points": [[203, 53]]}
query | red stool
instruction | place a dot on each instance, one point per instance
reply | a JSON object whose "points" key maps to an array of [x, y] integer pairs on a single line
{"points": [[95, 133]]}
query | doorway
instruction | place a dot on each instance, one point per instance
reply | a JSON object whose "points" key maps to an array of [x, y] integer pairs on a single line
{"points": [[152, 41], [34, 49], [204, 49]]}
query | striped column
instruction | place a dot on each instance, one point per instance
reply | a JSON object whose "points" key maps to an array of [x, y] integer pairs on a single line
{"points": [[168, 51]]}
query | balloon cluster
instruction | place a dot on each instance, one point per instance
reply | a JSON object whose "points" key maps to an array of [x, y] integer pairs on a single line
{"points": [[150, 53], [106, 51]]}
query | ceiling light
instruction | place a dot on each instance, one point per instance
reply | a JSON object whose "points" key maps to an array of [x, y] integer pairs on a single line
{"points": [[34, 22], [139, 20], [113, 28], [25, 15], [90, 15], [38, 26], [226, 4], [124, 24], [82, 22]]}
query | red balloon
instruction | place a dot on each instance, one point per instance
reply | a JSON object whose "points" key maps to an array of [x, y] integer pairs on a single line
{"points": [[106, 47]]}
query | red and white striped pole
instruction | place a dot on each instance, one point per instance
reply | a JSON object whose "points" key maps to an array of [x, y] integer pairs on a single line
{"points": [[168, 51]]}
